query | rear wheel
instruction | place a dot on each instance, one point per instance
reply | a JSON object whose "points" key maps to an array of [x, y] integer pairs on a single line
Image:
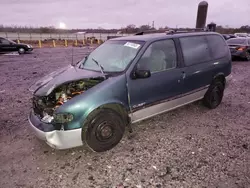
{"points": [[214, 95], [247, 56], [105, 129], [21, 50]]}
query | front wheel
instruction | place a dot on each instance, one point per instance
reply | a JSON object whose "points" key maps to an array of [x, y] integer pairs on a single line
{"points": [[21, 51], [214, 95], [105, 129]]}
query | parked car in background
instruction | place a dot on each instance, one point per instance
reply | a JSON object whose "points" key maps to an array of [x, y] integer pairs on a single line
{"points": [[7, 45], [228, 36], [240, 47], [126, 80], [241, 34]]}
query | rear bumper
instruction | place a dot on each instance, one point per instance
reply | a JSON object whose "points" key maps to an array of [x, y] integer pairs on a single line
{"points": [[238, 54], [58, 139]]}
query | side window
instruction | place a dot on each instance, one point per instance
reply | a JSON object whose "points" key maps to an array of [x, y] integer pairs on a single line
{"points": [[4, 41], [195, 50], [217, 46], [159, 56]]}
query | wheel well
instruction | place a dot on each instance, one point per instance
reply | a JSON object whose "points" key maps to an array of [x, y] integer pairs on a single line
{"points": [[117, 108], [220, 78]]}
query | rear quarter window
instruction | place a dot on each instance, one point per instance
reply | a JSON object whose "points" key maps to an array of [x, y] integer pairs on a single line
{"points": [[195, 50], [218, 46]]}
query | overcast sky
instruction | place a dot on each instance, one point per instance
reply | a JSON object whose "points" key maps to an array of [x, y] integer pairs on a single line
{"points": [[120, 13]]}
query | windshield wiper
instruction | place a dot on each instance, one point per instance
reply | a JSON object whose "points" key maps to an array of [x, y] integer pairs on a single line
{"points": [[101, 67]]}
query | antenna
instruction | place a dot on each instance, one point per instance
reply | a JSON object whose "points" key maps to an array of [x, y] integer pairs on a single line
{"points": [[72, 56]]}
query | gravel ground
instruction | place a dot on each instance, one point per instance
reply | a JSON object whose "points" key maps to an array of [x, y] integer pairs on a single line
{"points": [[188, 147]]}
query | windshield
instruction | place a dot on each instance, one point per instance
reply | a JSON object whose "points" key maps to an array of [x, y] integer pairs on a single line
{"points": [[236, 41], [113, 56]]}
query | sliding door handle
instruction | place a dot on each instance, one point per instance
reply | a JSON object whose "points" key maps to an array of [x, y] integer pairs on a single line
{"points": [[183, 75]]}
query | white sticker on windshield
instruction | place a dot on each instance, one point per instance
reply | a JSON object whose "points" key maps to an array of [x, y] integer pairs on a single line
{"points": [[132, 45]]}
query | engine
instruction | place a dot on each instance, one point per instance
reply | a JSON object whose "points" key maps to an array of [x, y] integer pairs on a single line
{"points": [[46, 105]]}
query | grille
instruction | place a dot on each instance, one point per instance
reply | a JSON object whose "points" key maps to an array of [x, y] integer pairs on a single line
{"points": [[38, 106]]}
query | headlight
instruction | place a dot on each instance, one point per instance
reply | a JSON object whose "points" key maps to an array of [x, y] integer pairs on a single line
{"points": [[63, 117]]}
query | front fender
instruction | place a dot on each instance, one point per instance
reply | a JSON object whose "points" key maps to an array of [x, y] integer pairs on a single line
{"points": [[111, 91], [115, 105]]}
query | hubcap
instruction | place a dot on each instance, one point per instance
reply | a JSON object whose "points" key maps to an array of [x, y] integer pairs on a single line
{"points": [[248, 56], [104, 131]]}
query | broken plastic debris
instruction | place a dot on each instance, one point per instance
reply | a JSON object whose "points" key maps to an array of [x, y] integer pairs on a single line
{"points": [[154, 167], [193, 153], [127, 179], [73, 153], [2, 91], [109, 166], [200, 149]]}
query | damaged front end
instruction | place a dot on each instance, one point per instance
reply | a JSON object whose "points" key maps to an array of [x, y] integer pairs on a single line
{"points": [[45, 106]]}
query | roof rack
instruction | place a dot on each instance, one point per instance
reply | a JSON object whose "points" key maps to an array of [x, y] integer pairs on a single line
{"points": [[172, 31]]}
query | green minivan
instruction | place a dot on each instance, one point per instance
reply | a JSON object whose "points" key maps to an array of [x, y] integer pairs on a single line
{"points": [[126, 80]]}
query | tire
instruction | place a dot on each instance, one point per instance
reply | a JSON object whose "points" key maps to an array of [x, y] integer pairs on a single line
{"points": [[247, 56], [105, 129], [21, 51], [214, 95]]}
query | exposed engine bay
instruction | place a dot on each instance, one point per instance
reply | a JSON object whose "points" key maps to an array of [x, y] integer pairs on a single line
{"points": [[46, 105]]}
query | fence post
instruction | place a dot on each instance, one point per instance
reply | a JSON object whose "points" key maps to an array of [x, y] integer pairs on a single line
{"points": [[30, 36], [66, 42], [40, 43], [6, 35], [18, 38], [54, 43]]}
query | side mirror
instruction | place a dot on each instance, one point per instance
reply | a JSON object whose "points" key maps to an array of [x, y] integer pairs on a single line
{"points": [[141, 74]]}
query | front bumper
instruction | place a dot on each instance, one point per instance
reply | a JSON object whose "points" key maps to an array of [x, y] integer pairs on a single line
{"points": [[58, 139], [29, 50]]}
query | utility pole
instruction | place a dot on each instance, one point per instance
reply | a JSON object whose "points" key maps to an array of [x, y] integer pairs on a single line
{"points": [[153, 24]]}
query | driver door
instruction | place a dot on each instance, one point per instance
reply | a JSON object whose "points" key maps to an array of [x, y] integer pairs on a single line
{"points": [[165, 82]]}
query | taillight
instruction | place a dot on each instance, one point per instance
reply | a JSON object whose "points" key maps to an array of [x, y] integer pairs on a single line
{"points": [[242, 48]]}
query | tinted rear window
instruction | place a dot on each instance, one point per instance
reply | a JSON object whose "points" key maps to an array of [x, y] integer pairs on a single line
{"points": [[218, 46], [236, 41], [195, 50]]}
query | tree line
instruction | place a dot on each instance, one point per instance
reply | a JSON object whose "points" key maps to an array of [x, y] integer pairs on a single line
{"points": [[131, 28]]}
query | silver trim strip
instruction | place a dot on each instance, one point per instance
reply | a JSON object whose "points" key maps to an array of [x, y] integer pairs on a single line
{"points": [[166, 106], [60, 139]]}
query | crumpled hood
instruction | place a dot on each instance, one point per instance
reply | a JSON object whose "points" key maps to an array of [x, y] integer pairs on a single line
{"points": [[45, 86]]}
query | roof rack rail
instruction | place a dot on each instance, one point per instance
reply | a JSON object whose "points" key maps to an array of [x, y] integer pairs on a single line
{"points": [[170, 31], [150, 32]]}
